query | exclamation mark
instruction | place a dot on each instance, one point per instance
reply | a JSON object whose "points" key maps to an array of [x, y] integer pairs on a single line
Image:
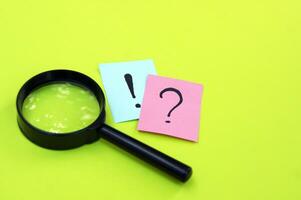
{"points": [[129, 81]]}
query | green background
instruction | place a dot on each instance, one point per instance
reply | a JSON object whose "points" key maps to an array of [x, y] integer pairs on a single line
{"points": [[246, 53]]}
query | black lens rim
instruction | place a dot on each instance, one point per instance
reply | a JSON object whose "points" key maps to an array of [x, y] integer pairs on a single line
{"points": [[70, 140]]}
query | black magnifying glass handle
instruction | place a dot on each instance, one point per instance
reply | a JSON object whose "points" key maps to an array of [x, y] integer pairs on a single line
{"points": [[154, 157]]}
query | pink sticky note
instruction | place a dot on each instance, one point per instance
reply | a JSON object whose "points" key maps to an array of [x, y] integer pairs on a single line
{"points": [[171, 107]]}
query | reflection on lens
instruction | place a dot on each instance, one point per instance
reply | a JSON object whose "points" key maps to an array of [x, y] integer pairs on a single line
{"points": [[61, 108]]}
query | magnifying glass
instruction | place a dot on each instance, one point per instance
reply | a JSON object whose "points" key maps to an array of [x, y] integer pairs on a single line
{"points": [[63, 109]]}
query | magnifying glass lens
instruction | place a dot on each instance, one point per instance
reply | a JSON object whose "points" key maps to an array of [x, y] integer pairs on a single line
{"points": [[61, 108]]}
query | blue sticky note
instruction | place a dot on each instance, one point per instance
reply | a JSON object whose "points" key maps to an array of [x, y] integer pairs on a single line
{"points": [[124, 84]]}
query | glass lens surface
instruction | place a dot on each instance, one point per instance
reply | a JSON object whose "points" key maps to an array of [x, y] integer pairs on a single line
{"points": [[61, 108]]}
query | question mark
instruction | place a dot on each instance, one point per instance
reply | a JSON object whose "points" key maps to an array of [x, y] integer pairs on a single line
{"points": [[170, 89]]}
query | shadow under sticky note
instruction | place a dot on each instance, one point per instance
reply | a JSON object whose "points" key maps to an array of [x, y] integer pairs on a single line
{"points": [[171, 107], [124, 84]]}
